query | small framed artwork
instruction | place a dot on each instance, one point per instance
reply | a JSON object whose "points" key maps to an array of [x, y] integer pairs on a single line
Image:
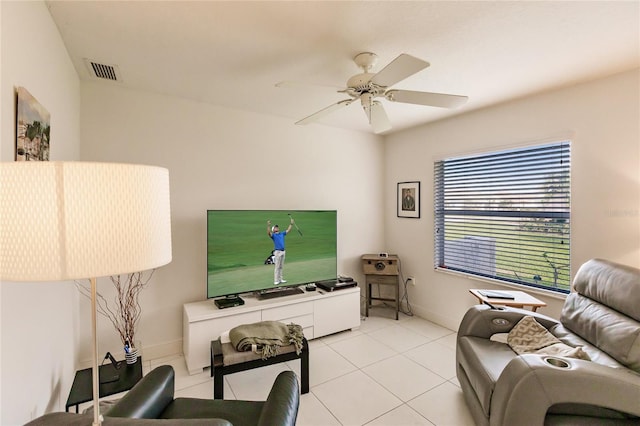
{"points": [[409, 199], [33, 130]]}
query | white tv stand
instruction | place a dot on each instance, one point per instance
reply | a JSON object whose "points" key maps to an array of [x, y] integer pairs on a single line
{"points": [[319, 313]]}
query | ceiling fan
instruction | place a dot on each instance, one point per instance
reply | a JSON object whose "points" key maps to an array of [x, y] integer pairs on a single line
{"points": [[368, 86]]}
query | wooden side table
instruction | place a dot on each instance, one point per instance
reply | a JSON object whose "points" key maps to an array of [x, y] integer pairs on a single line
{"points": [[383, 271], [382, 280], [520, 298]]}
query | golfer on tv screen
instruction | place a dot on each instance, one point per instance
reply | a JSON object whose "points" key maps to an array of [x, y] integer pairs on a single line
{"points": [[278, 249]]}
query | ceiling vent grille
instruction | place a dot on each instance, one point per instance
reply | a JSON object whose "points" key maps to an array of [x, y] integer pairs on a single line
{"points": [[102, 71]]}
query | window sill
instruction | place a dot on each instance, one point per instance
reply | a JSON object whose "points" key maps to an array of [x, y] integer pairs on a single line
{"points": [[506, 286]]}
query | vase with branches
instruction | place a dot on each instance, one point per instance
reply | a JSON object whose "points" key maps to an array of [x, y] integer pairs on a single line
{"points": [[124, 311]]}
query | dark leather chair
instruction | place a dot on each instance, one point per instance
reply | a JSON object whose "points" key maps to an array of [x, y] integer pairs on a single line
{"points": [[151, 401]]}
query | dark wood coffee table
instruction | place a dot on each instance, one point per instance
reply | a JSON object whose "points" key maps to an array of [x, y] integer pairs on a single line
{"points": [[82, 388]]}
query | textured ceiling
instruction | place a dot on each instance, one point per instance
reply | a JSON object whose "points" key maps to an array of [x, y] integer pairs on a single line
{"points": [[232, 53]]}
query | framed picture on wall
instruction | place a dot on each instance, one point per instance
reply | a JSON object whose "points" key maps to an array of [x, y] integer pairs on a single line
{"points": [[409, 199], [32, 128]]}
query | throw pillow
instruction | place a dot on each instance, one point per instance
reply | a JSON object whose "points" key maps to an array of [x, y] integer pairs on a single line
{"points": [[529, 336]]}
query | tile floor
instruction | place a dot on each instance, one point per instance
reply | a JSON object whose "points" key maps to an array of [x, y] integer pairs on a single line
{"points": [[387, 372]]}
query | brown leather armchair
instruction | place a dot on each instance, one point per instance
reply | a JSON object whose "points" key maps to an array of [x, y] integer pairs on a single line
{"points": [[601, 315]]}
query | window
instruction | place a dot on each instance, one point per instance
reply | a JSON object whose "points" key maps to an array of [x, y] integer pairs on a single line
{"points": [[506, 215]]}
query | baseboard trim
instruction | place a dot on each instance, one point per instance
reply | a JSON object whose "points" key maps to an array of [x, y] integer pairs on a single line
{"points": [[444, 321], [162, 350]]}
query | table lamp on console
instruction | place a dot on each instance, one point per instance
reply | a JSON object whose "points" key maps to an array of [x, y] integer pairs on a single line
{"points": [[73, 220]]}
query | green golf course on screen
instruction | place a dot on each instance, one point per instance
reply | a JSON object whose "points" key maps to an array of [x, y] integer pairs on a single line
{"points": [[239, 249]]}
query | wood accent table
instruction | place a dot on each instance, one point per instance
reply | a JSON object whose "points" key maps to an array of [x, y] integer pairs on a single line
{"points": [[520, 299], [382, 280], [381, 271]]}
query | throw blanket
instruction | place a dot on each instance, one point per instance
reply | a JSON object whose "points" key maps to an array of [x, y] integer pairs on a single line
{"points": [[529, 336], [266, 337]]}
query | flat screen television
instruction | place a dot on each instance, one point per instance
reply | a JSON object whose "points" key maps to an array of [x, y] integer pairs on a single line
{"points": [[239, 250]]}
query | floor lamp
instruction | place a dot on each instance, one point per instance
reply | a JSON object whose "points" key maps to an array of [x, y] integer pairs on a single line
{"points": [[72, 220]]}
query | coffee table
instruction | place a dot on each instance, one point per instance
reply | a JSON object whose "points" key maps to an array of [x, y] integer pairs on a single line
{"points": [[520, 298], [82, 388]]}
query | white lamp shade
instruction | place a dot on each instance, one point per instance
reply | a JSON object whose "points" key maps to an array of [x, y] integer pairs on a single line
{"points": [[73, 220]]}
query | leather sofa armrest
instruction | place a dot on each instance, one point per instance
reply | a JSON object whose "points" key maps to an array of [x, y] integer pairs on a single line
{"points": [[483, 321], [281, 406], [530, 384], [149, 397]]}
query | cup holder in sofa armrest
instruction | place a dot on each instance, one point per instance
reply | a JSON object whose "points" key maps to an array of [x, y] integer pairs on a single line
{"points": [[557, 362]]}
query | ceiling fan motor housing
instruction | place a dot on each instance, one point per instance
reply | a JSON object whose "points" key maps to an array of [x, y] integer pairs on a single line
{"points": [[361, 83], [360, 80]]}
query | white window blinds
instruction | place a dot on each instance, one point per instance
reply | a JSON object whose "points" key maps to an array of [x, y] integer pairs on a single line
{"points": [[506, 215]]}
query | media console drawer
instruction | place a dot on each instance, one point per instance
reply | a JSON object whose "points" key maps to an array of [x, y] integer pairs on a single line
{"points": [[318, 313], [283, 313]]}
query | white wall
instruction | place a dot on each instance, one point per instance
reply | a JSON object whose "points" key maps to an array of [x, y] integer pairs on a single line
{"points": [[220, 158], [39, 321], [602, 120]]}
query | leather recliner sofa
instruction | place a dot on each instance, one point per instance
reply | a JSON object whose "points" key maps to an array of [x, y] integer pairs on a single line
{"points": [[601, 315], [151, 402]]}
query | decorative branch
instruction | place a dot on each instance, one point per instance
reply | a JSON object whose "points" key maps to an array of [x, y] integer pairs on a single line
{"points": [[126, 310]]}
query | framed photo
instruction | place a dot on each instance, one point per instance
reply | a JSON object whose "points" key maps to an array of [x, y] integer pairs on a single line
{"points": [[33, 130], [409, 199]]}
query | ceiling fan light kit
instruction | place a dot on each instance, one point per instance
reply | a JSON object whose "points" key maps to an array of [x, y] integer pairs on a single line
{"points": [[368, 86]]}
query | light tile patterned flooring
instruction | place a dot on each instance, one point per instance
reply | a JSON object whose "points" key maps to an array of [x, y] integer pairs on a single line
{"points": [[387, 372]]}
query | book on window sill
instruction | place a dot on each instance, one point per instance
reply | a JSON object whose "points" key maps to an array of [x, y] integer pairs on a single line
{"points": [[492, 294]]}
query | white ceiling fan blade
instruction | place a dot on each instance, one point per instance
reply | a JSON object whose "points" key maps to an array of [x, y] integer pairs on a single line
{"points": [[426, 98], [397, 70], [379, 120], [326, 111]]}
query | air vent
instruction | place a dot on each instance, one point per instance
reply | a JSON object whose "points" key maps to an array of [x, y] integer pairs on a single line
{"points": [[102, 71]]}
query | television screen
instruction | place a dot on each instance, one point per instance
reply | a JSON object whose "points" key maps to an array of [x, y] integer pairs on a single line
{"points": [[240, 252]]}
